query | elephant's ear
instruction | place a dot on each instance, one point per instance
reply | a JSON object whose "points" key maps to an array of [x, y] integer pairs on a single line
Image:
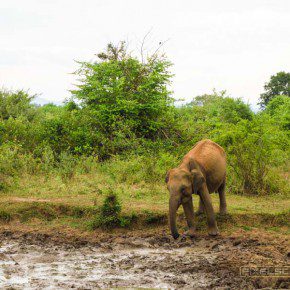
{"points": [[167, 176], [192, 164], [197, 180]]}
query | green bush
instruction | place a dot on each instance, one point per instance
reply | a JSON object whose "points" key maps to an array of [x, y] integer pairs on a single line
{"points": [[255, 148], [16, 104], [66, 166], [5, 216], [9, 159], [279, 109], [109, 216], [134, 168], [154, 218], [121, 121], [127, 98]]}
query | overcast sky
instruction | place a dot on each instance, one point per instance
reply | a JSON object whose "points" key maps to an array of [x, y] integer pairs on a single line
{"points": [[226, 45]]}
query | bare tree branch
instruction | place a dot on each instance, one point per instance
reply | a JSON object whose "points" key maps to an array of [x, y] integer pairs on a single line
{"points": [[142, 44], [161, 44]]}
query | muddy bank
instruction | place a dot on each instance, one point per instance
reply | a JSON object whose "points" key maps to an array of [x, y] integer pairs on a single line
{"points": [[154, 261]]}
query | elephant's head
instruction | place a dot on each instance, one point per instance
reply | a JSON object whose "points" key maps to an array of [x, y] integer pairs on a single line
{"points": [[181, 184]]}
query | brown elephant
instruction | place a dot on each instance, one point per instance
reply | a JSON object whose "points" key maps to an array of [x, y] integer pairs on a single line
{"points": [[202, 171]]}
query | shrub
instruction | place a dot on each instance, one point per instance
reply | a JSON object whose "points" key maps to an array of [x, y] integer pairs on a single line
{"points": [[128, 98], [221, 108], [139, 168], [154, 218], [11, 162], [109, 216], [16, 104], [47, 158], [207, 116], [66, 166], [279, 109], [254, 150], [5, 216]]}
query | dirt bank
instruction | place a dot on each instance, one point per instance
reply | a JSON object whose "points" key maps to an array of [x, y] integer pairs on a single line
{"points": [[139, 261]]}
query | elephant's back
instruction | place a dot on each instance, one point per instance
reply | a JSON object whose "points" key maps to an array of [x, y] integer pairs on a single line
{"points": [[206, 148], [212, 158]]}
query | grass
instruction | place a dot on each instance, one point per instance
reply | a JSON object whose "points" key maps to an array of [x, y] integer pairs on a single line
{"points": [[5, 216], [53, 201]]}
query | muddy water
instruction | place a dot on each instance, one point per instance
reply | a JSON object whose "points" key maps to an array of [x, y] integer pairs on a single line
{"points": [[131, 262], [54, 267]]}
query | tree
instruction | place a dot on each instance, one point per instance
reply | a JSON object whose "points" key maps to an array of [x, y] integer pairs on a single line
{"points": [[15, 104], [279, 109], [124, 92], [221, 108], [279, 84]]}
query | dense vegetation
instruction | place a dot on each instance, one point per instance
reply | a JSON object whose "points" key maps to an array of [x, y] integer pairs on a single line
{"points": [[122, 119], [277, 86]]}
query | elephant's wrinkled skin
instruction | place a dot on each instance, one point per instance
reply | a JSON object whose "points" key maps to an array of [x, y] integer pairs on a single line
{"points": [[202, 171]]}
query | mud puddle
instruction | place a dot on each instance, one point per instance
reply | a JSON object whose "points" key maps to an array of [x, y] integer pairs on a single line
{"points": [[131, 262]]}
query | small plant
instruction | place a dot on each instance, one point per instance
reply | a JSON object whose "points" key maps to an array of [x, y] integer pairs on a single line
{"points": [[47, 159], [36, 210], [3, 184], [67, 166], [5, 216], [126, 221], [109, 216], [154, 218]]}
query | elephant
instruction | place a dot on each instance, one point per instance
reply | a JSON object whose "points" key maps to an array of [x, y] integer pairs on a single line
{"points": [[202, 171]]}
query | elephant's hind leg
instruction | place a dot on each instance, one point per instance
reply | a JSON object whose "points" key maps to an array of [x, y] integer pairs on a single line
{"points": [[200, 207], [223, 203]]}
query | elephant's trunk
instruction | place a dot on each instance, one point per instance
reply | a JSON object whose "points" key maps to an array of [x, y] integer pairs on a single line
{"points": [[173, 207]]}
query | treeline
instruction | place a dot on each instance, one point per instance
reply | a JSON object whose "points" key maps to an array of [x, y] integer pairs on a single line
{"points": [[122, 111]]}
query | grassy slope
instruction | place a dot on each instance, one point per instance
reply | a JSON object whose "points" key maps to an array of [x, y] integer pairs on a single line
{"points": [[50, 201]]}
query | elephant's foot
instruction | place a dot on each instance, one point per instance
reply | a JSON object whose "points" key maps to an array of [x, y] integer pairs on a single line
{"points": [[213, 232], [190, 233]]}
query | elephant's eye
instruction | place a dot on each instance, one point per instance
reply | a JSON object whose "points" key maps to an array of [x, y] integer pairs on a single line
{"points": [[183, 190]]}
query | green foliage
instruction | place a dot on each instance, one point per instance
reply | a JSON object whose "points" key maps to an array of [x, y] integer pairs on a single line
{"points": [[154, 218], [127, 220], [135, 169], [221, 108], [16, 104], [279, 84], [279, 109], [5, 216], [207, 116], [121, 121], [35, 210], [14, 160], [128, 98], [109, 216], [67, 166], [254, 149], [255, 144]]}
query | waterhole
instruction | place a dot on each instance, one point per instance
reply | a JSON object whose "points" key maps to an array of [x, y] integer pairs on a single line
{"points": [[34, 266]]}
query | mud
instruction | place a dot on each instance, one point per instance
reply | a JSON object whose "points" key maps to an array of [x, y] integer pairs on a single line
{"points": [[139, 262]]}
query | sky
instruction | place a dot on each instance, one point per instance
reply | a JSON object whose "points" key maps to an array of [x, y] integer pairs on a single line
{"points": [[223, 45]]}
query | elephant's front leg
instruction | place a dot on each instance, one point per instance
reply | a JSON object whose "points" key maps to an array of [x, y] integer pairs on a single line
{"points": [[189, 214], [206, 199]]}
